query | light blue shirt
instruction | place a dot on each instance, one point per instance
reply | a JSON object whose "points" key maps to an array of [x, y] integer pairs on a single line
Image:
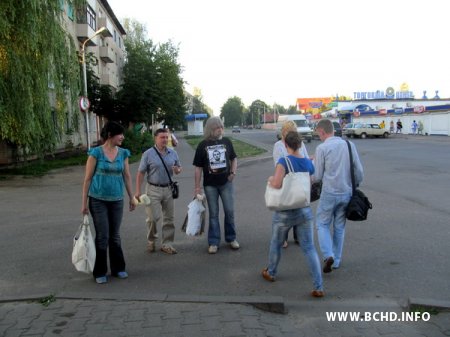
{"points": [[332, 164], [153, 166]]}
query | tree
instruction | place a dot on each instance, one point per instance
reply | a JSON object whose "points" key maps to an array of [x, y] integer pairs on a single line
{"points": [[39, 74], [232, 111], [256, 110], [153, 86], [292, 110]]}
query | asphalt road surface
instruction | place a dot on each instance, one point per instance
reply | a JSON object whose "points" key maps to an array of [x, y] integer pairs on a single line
{"points": [[401, 251]]}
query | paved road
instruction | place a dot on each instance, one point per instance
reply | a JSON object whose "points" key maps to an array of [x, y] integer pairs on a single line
{"points": [[399, 253]]}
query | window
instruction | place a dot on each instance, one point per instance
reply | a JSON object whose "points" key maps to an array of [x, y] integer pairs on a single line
{"points": [[70, 11], [90, 17]]}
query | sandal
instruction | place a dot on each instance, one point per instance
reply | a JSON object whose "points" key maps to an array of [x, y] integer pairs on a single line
{"points": [[168, 250], [267, 276]]}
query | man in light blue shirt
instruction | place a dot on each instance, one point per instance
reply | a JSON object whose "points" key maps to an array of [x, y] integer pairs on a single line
{"points": [[332, 167]]}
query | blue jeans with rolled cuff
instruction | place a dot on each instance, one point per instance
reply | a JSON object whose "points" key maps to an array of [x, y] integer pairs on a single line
{"points": [[226, 193]]}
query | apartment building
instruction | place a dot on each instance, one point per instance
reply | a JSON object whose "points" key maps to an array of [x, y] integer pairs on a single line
{"points": [[107, 48]]}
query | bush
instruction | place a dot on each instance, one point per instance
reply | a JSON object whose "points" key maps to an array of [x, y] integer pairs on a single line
{"points": [[137, 142]]}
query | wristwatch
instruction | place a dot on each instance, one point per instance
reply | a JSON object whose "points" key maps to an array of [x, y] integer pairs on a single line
{"points": [[233, 173]]}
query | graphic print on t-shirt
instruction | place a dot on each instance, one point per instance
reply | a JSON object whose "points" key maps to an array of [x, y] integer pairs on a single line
{"points": [[217, 158]]}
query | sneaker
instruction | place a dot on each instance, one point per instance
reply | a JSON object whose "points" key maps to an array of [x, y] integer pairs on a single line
{"points": [[122, 274], [212, 249], [168, 249], [267, 276], [317, 293], [285, 244], [151, 246], [101, 279], [234, 244], [328, 263]]}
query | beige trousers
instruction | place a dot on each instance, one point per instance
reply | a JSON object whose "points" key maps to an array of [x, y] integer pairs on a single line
{"points": [[160, 213]]}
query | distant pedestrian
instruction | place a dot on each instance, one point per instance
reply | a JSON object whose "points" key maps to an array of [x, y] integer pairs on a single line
{"points": [[172, 141], [107, 171], [301, 219], [399, 126], [391, 126], [414, 127], [216, 160], [420, 128], [332, 167], [382, 125]]}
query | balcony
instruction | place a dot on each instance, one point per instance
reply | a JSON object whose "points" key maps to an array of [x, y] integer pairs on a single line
{"points": [[106, 55], [108, 79], [84, 31], [104, 22]]}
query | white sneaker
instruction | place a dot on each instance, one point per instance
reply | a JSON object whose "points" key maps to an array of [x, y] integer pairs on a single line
{"points": [[212, 249], [234, 244]]}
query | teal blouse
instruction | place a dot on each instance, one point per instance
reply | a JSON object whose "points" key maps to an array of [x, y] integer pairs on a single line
{"points": [[107, 182]]}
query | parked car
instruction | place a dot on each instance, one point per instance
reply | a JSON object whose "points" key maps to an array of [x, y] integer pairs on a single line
{"points": [[337, 130], [236, 128], [364, 130], [258, 126]]}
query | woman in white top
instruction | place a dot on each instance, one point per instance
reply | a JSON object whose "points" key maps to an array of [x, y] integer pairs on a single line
{"points": [[279, 151]]}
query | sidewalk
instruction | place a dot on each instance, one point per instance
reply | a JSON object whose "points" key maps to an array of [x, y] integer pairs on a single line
{"points": [[134, 307], [77, 317]]}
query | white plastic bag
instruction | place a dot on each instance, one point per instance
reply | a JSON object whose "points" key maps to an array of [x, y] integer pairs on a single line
{"points": [[195, 210], [83, 253]]}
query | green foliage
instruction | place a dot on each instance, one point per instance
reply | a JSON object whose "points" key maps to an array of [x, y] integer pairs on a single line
{"points": [[152, 80], [39, 74], [137, 142], [232, 111], [46, 301], [41, 167]]}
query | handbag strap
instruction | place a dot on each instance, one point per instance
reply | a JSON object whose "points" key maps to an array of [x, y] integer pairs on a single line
{"points": [[352, 170], [289, 164], [164, 163]]}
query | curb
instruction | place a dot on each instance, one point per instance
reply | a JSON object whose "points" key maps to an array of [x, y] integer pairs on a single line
{"points": [[274, 304], [418, 304]]}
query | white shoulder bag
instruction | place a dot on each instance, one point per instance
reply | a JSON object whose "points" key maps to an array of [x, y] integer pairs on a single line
{"points": [[83, 253], [294, 193]]}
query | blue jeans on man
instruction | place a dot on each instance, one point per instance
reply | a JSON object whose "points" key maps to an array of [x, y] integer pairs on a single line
{"points": [[331, 212], [302, 220], [226, 193], [107, 217]]}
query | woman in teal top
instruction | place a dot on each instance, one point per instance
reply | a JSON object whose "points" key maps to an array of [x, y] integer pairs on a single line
{"points": [[107, 173]]}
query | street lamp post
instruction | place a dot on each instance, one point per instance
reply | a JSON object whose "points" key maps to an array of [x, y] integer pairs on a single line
{"points": [[85, 94]]}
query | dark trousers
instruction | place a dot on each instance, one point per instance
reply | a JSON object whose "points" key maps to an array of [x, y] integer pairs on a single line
{"points": [[107, 216], [295, 234]]}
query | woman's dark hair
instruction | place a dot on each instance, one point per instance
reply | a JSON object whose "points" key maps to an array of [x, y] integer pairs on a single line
{"points": [[111, 129], [293, 140]]}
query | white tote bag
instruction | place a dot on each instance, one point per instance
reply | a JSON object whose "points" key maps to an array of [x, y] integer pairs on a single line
{"points": [[294, 193], [83, 253]]}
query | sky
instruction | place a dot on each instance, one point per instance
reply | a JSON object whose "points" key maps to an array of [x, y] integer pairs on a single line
{"points": [[278, 51]]}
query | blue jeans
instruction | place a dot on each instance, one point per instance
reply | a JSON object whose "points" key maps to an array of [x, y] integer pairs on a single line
{"points": [[226, 193], [331, 211], [107, 216], [302, 221]]}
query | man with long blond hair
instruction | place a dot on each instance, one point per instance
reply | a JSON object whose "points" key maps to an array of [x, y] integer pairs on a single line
{"points": [[216, 159]]}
